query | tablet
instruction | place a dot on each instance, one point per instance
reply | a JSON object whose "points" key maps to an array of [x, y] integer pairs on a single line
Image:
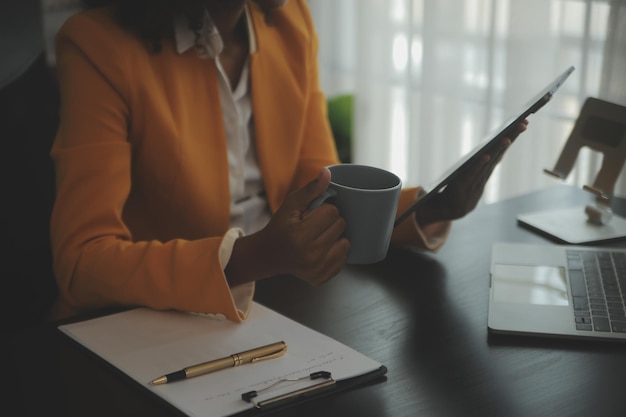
{"points": [[485, 145]]}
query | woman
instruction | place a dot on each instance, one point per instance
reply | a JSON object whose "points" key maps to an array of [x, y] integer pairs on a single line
{"points": [[193, 138]]}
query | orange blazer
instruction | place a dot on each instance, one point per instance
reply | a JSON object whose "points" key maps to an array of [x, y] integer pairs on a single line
{"points": [[142, 174]]}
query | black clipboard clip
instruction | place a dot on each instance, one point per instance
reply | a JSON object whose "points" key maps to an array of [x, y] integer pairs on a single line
{"points": [[327, 383]]}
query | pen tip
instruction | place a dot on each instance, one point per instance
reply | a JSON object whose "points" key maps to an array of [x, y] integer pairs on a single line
{"points": [[158, 381]]}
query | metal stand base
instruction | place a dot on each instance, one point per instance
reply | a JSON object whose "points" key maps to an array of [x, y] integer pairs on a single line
{"points": [[577, 225]]}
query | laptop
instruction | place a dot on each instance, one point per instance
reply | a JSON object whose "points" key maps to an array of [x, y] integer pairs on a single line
{"points": [[492, 139], [558, 291]]}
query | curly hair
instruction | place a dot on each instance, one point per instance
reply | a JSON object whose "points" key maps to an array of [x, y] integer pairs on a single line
{"points": [[153, 20]]}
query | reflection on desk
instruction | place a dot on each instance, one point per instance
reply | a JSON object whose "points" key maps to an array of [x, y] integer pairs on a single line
{"points": [[423, 315]]}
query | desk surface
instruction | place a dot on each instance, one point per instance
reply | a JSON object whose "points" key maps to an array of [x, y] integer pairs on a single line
{"points": [[422, 315]]}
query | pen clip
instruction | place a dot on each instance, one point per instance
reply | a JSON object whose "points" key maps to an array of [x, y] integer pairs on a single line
{"points": [[269, 356]]}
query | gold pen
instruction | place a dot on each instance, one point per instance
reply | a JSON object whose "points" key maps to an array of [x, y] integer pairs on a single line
{"points": [[271, 351]]}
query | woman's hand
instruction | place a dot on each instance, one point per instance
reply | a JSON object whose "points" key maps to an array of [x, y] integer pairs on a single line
{"points": [[306, 244], [462, 195]]}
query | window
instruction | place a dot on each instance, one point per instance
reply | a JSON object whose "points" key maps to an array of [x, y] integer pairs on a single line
{"points": [[432, 78]]}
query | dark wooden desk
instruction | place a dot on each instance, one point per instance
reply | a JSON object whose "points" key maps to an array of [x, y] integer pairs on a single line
{"points": [[422, 315]]}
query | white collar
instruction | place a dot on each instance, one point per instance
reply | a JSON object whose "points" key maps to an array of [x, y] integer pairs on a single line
{"points": [[185, 38]]}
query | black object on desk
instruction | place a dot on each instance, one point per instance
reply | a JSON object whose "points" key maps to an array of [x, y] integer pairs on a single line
{"points": [[423, 315]]}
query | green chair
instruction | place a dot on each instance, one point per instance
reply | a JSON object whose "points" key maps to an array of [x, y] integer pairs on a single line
{"points": [[340, 116]]}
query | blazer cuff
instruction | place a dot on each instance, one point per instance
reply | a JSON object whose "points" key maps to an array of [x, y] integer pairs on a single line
{"points": [[410, 234], [241, 294]]}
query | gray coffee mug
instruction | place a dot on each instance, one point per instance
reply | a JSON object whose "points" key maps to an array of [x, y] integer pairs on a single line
{"points": [[367, 199]]}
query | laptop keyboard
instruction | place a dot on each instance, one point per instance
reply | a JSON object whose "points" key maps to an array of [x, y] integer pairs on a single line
{"points": [[598, 284]]}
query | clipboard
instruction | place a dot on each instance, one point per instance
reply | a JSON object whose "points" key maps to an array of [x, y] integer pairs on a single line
{"points": [[325, 387], [141, 344]]}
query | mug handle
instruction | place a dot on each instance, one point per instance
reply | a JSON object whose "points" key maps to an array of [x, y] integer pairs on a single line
{"points": [[320, 200]]}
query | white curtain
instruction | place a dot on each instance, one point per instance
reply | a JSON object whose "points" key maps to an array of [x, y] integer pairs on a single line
{"points": [[432, 77], [613, 82]]}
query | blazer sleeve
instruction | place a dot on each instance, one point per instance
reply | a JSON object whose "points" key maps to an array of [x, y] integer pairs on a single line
{"points": [[410, 234], [96, 261]]}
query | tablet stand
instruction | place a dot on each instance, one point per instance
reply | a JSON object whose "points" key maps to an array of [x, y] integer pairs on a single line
{"points": [[601, 126]]}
